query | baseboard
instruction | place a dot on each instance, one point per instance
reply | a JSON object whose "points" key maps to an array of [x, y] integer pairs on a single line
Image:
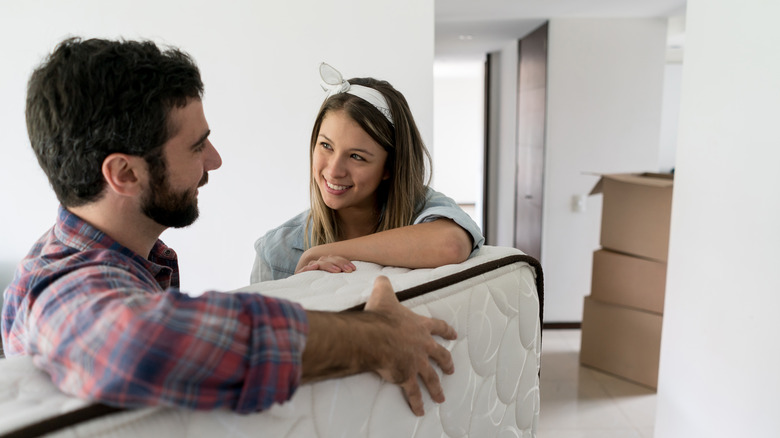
{"points": [[561, 325]]}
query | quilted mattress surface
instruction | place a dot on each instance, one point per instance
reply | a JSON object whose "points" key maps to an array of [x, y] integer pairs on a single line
{"points": [[493, 301]]}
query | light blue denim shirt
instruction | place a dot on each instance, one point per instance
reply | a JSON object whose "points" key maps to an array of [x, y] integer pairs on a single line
{"points": [[279, 250]]}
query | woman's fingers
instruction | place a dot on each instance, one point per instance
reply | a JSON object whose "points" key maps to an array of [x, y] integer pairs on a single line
{"points": [[332, 264]]}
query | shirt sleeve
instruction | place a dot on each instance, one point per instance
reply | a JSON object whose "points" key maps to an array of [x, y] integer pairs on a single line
{"points": [[278, 252], [103, 336], [261, 270], [438, 206]]}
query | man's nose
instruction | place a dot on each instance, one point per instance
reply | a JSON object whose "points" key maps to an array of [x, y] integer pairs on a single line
{"points": [[213, 160]]}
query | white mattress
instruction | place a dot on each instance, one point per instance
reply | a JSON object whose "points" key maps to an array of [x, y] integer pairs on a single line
{"points": [[492, 300]]}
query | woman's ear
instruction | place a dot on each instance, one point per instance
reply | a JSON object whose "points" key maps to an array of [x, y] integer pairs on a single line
{"points": [[123, 173], [386, 175]]}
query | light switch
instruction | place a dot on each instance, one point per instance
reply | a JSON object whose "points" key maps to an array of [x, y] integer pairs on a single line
{"points": [[579, 203]]}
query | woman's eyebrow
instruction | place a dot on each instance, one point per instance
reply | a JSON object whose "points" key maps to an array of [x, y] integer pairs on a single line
{"points": [[325, 137], [362, 151]]}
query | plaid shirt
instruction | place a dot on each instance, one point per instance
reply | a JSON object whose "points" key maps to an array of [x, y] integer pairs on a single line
{"points": [[111, 326]]}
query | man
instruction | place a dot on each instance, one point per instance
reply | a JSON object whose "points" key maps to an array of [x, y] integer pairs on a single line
{"points": [[118, 128]]}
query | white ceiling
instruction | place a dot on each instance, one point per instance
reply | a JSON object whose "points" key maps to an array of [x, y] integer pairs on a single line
{"points": [[467, 29]]}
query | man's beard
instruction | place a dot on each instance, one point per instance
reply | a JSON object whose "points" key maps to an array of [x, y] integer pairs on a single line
{"points": [[168, 208]]}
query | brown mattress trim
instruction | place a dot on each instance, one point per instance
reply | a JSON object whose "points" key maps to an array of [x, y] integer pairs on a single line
{"points": [[62, 421], [474, 271]]}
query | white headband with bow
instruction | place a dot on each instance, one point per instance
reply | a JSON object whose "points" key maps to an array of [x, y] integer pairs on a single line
{"points": [[334, 83]]}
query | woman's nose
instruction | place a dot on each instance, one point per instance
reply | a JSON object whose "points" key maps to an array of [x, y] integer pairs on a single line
{"points": [[337, 167]]}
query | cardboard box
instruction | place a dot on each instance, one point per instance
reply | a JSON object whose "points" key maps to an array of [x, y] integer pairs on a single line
{"points": [[621, 341], [636, 213], [628, 281]]}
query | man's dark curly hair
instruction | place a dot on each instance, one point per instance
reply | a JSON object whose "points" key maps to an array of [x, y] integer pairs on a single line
{"points": [[91, 98]]}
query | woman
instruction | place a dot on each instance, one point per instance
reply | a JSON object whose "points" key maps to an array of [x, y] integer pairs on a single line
{"points": [[369, 197]]}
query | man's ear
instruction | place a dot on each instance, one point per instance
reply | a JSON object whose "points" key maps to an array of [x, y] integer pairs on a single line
{"points": [[124, 173]]}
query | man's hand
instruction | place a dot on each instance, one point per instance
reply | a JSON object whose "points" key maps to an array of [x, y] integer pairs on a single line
{"points": [[410, 345], [387, 338]]}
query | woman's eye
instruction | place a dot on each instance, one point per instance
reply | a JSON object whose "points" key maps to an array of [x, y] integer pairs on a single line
{"points": [[357, 157], [326, 146]]}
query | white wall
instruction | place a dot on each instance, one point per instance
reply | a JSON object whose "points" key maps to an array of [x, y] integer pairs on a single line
{"points": [[670, 116], [719, 357], [458, 131], [605, 79], [259, 64], [502, 147]]}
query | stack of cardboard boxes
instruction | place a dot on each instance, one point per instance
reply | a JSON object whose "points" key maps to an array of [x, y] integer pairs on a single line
{"points": [[621, 323]]}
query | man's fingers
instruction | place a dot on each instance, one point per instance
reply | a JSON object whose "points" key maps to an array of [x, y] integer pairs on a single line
{"points": [[441, 328], [432, 382], [443, 358], [413, 395]]}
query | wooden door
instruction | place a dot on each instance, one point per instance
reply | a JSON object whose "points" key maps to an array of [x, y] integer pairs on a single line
{"points": [[531, 113]]}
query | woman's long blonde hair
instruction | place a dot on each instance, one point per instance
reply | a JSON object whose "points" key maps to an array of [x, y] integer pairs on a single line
{"points": [[401, 195]]}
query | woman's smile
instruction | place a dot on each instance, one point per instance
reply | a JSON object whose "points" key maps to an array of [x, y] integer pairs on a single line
{"points": [[334, 188]]}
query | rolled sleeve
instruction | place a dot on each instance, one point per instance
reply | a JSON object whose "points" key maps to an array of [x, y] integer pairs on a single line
{"points": [[104, 337], [439, 206]]}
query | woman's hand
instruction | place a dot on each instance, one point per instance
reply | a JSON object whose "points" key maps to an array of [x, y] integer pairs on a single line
{"points": [[330, 263]]}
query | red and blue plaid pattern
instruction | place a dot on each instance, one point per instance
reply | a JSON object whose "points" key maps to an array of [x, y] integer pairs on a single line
{"points": [[111, 326]]}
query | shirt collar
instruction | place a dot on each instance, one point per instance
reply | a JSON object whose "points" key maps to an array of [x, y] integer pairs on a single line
{"points": [[76, 233]]}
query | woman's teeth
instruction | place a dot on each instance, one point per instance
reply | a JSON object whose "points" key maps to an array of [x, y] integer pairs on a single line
{"points": [[335, 187]]}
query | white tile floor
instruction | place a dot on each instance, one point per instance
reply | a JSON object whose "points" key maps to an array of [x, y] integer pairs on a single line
{"points": [[580, 402]]}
